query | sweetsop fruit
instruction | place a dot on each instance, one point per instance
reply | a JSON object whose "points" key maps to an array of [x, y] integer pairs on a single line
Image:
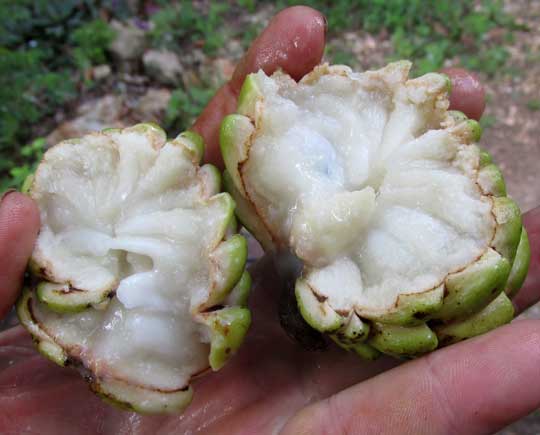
{"points": [[138, 277], [407, 237]]}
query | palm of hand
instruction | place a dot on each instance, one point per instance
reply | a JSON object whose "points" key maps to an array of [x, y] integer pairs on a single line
{"points": [[258, 391], [268, 384]]}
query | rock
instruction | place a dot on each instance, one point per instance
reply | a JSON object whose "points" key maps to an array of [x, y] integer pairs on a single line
{"points": [[93, 115], [133, 79], [151, 106], [191, 78], [129, 42], [101, 72], [194, 58], [163, 66], [217, 71], [234, 49], [223, 68]]}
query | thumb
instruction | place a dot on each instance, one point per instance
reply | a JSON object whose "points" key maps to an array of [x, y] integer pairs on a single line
{"points": [[19, 226]]}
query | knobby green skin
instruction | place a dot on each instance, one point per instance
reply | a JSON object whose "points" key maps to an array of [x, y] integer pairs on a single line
{"points": [[470, 302], [59, 298], [228, 326], [225, 312]]}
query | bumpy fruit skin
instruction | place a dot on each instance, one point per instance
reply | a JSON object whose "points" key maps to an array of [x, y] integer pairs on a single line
{"points": [[467, 302], [222, 316]]}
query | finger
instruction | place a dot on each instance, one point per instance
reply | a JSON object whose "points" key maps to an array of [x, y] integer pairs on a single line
{"points": [[19, 226], [474, 387], [468, 94], [530, 292], [293, 41]]}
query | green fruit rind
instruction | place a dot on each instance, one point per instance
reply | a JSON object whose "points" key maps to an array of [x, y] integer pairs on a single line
{"points": [[232, 228], [228, 262], [193, 143], [62, 298], [363, 350], [476, 130], [240, 293], [448, 82], [412, 309], [485, 158], [46, 346], [111, 130], [142, 400], [403, 341], [228, 204], [474, 287], [499, 312], [249, 95], [520, 267], [211, 178], [247, 215], [228, 327], [27, 184], [468, 131], [354, 331], [491, 180], [317, 313], [155, 134], [457, 116], [509, 225], [234, 136]]}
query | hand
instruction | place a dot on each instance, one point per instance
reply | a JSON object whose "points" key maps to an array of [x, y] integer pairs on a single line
{"points": [[477, 386]]}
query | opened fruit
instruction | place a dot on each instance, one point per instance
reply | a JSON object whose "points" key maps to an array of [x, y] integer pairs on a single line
{"points": [[402, 222], [137, 276]]}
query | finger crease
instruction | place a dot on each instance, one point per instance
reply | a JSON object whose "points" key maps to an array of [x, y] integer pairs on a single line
{"points": [[444, 403]]}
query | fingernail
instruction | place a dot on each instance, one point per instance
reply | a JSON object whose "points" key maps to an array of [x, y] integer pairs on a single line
{"points": [[6, 193]]}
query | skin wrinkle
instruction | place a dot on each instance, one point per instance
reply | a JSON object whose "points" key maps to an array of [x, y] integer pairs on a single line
{"points": [[445, 407], [464, 379], [335, 416], [19, 224]]}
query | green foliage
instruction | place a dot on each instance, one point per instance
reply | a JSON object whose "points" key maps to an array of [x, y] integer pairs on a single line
{"points": [[37, 73], [184, 106], [491, 60], [533, 105], [487, 121], [249, 5], [427, 31], [47, 45], [40, 20], [182, 21], [30, 154], [90, 42], [249, 33], [28, 91], [340, 56]]}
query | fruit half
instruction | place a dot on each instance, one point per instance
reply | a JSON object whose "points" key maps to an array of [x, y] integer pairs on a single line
{"points": [[402, 222], [138, 277]]}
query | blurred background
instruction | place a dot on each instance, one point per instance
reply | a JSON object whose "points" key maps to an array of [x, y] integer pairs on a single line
{"points": [[72, 66]]}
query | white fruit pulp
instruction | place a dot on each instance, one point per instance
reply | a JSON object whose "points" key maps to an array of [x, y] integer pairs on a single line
{"points": [[326, 146], [118, 213]]}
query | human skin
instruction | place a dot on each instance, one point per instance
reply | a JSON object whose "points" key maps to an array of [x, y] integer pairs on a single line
{"points": [[474, 387]]}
